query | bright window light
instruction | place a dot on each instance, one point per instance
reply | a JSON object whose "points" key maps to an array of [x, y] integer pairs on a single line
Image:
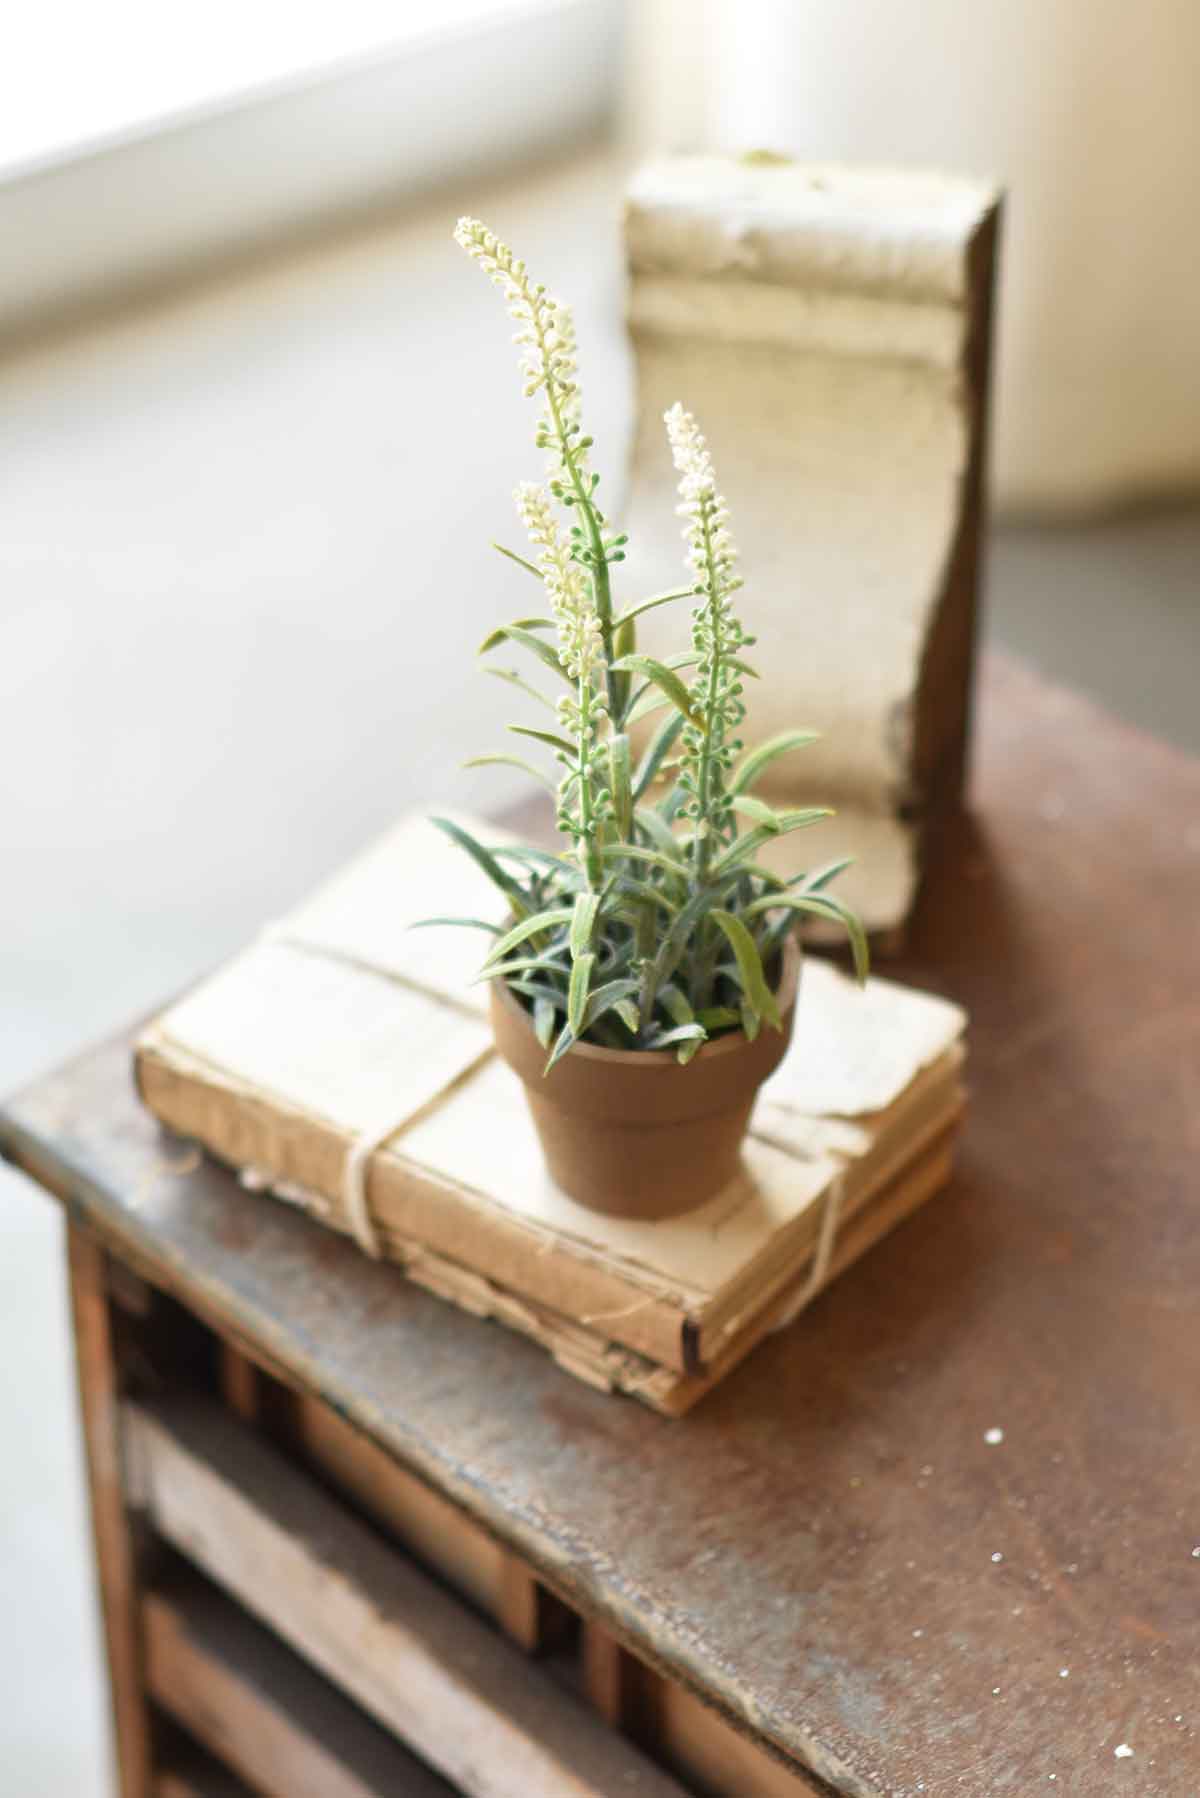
{"points": [[74, 73]]}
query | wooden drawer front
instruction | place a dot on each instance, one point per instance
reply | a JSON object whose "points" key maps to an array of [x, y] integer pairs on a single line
{"points": [[421, 1520], [467, 1701], [238, 1690], [435, 1531], [681, 1731]]}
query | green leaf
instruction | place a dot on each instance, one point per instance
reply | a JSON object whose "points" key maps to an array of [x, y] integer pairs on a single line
{"points": [[620, 783], [689, 658], [614, 995], [648, 894], [522, 965], [629, 1015], [752, 765], [537, 858], [518, 624], [517, 633], [536, 989], [577, 992], [822, 905], [583, 920], [821, 877], [803, 816], [664, 678], [659, 746], [566, 1040], [755, 871], [784, 823], [514, 680], [622, 642], [544, 736], [487, 861], [660, 833], [671, 948], [656, 599], [545, 1017], [751, 1022], [675, 1004], [763, 814], [636, 853], [470, 923], [719, 1017], [520, 561], [690, 1037], [511, 761], [745, 952], [520, 933]]}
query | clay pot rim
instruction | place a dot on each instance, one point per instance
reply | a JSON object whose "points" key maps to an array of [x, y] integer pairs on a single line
{"points": [[727, 1044]]}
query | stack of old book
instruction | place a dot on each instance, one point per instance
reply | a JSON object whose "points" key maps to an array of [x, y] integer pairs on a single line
{"points": [[340, 1030]]}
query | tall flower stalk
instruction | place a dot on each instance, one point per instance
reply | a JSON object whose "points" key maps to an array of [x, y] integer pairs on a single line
{"points": [[709, 746], [546, 337], [582, 796], [656, 928]]}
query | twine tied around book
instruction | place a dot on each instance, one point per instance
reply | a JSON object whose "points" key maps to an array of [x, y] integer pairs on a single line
{"points": [[823, 1254], [354, 1188]]}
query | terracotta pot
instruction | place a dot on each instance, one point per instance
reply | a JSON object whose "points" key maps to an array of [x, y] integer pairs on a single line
{"points": [[629, 1131]]}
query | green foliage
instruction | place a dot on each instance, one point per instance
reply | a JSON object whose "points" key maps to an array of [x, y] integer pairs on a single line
{"points": [[653, 928]]}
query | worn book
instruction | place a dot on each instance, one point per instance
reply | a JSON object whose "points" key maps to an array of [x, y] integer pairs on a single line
{"points": [[340, 1029]]}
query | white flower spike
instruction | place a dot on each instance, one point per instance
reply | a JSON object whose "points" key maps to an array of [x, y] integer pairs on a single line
{"points": [[717, 638], [580, 643], [711, 549]]}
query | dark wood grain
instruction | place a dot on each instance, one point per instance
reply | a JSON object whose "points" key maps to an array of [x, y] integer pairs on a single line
{"points": [[99, 1408], [830, 1548]]}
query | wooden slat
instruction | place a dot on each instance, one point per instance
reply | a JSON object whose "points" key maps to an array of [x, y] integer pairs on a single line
{"points": [[99, 1402], [241, 1383], [436, 1531], [261, 1710], [194, 1774], [719, 1759], [465, 1699], [606, 1675], [527, 1613], [425, 1522], [679, 1729]]}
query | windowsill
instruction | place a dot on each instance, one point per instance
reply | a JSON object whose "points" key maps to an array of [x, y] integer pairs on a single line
{"points": [[193, 158], [136, 69]]}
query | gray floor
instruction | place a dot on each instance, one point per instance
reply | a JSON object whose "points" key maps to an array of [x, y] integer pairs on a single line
{"points": [[242, 523]]}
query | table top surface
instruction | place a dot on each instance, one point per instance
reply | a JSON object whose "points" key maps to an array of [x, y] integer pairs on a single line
{"points": [[943, 1534]]}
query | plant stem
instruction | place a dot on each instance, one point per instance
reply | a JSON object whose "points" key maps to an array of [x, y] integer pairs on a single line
{"points": [[702, 841], [587, 827]]}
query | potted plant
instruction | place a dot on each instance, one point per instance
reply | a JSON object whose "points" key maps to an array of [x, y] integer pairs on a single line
{"points": [[644, 982]]}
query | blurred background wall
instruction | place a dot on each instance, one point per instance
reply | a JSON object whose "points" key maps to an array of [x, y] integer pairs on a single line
{"points": [[1084, 109]]}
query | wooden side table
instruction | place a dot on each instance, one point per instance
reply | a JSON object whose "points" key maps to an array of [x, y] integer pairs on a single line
{"points": [[941, 1536]]}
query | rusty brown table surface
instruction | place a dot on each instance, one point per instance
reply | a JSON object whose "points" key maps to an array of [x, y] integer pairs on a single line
{"points": [[836, 1547]]}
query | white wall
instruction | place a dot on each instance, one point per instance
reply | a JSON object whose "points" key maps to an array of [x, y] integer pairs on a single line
{"points": [[1085, 109]]}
